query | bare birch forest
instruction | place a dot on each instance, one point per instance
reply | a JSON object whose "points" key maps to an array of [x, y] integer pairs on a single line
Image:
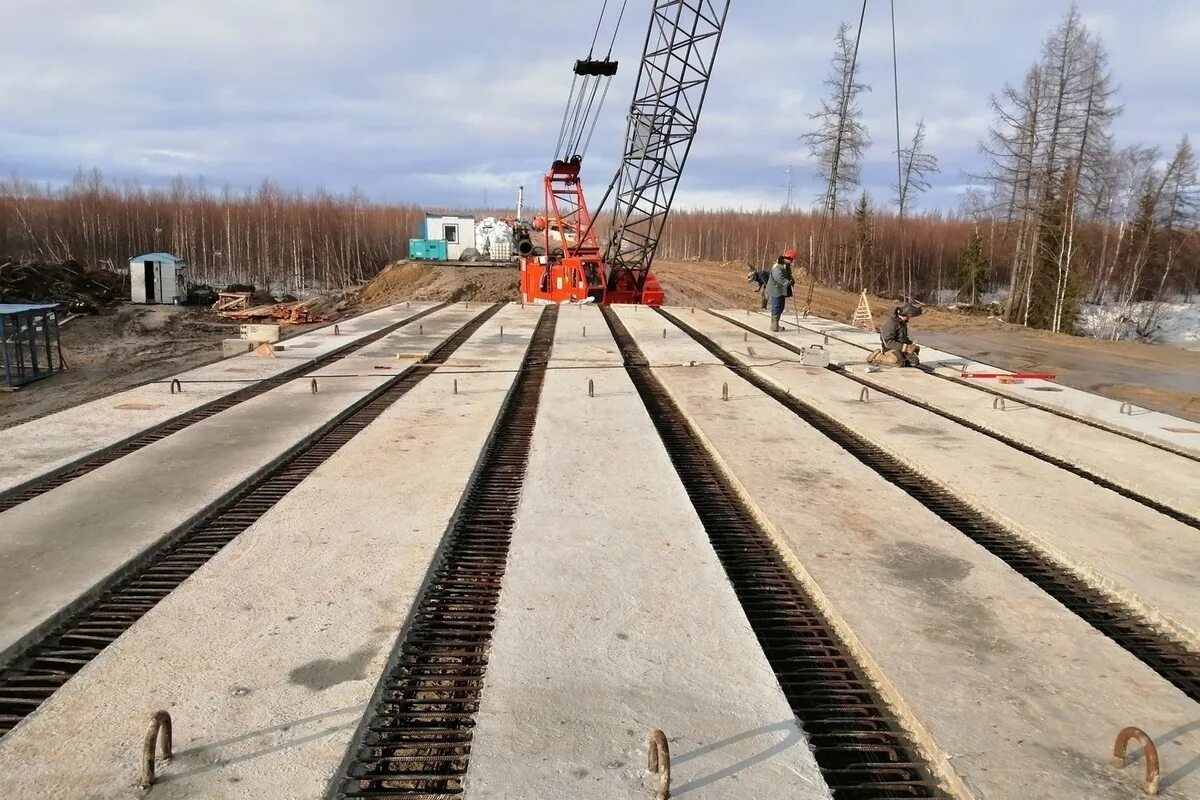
{"points": [[273, 239]]}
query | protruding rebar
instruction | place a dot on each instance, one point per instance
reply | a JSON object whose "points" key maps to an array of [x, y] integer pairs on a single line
{"points": [[659, 762], [1150, 785], [160, 731]]}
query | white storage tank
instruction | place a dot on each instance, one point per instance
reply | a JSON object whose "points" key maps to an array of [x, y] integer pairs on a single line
{"points": [[157, 278]]}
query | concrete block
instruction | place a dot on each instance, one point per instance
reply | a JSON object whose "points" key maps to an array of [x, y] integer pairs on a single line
{"points": [[260, 333], [236, 347]]}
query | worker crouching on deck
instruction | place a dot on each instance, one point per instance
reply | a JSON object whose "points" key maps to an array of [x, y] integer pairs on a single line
{"points": [[898, 349], [776, 285]]}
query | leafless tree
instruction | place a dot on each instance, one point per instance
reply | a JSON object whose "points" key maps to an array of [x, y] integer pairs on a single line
{"points": [[840, 138], [916, 165]]}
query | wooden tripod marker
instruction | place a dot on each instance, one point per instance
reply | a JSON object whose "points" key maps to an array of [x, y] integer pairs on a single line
{"points": [[863, 318]]}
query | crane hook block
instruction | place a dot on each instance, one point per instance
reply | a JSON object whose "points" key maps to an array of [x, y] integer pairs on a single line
{"points": [[595, 66]]}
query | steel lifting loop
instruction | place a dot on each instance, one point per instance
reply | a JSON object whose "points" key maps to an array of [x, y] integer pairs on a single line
{"points": [[337, 331], [585, 331], [160, 731], [313, 386], [998, 403], [176, 386], [659, 761], [1151, 752], [864, 395], [745, 336], [591, 388], [456, 385], [693, 309], [826, 339], [420, 330], [664, 333], [724, 391], [1127, 408]]}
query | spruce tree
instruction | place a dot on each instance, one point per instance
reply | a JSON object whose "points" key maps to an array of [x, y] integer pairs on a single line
{"points": [[973, 269], [1044, 287]]}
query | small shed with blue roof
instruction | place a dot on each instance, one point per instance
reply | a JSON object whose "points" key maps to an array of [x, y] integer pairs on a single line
{"points": [[157, 278]]}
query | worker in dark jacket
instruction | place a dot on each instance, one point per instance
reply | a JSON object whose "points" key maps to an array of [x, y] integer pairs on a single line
{"points": [[778, 286], [898, 348], [774, 285], [759, 278]]}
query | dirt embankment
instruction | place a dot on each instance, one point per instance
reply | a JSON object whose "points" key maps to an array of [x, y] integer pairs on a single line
{"points": [[426, 281], [1160, 377]]}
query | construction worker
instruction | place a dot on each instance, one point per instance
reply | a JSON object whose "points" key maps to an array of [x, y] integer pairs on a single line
{"points": [[779, 286], [759, 278], [898, 349], [775, 285]]}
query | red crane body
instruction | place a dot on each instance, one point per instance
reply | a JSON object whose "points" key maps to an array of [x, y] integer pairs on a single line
{"points": [[568, 264], [572, 269]]}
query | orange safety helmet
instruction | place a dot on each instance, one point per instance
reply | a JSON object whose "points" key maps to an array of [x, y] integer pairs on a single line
{"points": [[789, 254]]}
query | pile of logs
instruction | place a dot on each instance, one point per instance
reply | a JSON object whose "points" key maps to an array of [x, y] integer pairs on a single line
{"points": [[297, 313]]}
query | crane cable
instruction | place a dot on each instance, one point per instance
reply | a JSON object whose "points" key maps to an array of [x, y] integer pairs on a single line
{"points": [[900, 188], [582, 112], [611, 42], [827, 213]]}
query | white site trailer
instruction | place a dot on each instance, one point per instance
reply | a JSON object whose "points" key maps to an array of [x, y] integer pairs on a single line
{"points": [[458, 232]]}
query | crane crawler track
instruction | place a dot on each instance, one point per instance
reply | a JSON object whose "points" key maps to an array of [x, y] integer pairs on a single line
{"points": [[860, 746], [1171, 658], [415, 741], [61, 476], [1074, 469], [86, 628]]}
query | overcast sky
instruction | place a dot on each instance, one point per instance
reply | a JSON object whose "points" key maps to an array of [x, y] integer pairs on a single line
{"points": [[439, 102]]}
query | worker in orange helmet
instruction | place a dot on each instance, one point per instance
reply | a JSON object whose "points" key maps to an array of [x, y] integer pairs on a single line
{"points": [[774, 285], [779, 286]]}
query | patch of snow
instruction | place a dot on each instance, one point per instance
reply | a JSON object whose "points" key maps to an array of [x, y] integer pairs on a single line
{"points": [[949, 297], [1171, 323]]}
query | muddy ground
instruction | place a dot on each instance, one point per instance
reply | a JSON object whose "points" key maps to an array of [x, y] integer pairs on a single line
{"points": [[122, 347], [130, 345]]}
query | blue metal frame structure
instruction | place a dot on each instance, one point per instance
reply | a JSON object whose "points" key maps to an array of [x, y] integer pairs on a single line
{"points": [[24, 331]]}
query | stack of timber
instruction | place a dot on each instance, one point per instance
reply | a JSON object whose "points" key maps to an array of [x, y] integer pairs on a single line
{"points": [[296, 313]]}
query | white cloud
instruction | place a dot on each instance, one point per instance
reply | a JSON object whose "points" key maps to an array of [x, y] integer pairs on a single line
{"points": [[436, 102]]}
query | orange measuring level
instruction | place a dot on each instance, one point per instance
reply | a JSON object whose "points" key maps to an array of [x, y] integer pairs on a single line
{"points": [[1038, 376]]}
